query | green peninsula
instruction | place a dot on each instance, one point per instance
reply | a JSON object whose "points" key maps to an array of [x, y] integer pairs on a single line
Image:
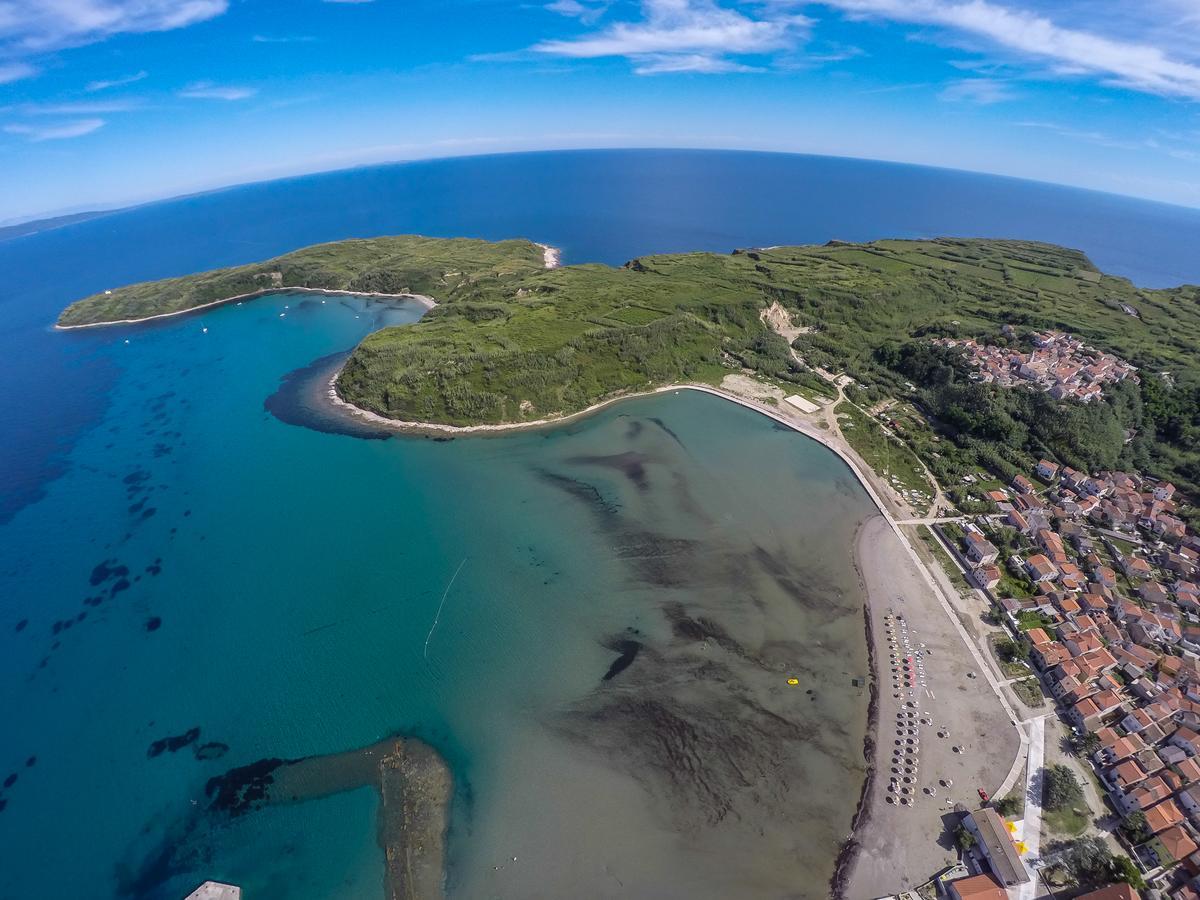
{"points": [[512, 341], [388, 265]]}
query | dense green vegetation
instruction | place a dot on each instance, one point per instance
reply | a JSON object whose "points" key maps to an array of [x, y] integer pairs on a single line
{"points": [[1029, 690], [887, 455], [443, 269], [512, 341], [1088, 863]]}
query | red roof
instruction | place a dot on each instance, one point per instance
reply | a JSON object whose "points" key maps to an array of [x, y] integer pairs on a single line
{"points": [[978, 887]]}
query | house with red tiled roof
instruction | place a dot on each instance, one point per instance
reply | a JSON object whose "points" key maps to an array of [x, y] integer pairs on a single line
{"points": [[977, 887], [1090, 713], [1125, 776], [1136, 568], [1172, 845], [1039, 568], [1086, 715], [1155, 734], [1047, 656], [1046, 470], [986, 577], [1147, 659], [1153, 592], [1022, 485], [980, 550], [1187, 740], [1143, 795], [1137, 720], [1188, 770], [1164, 490], [1017, 521], [1095, 661], [1070, 690], [1162, 816], [1150, 760], [1080, 643], [1105, 576], [1093, 603], [1112, 892], [1037, 636], [1127, 611]]}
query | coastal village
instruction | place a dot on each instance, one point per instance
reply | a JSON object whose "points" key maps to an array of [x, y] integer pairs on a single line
{"points": [[1058, 363], [1090, 583]]}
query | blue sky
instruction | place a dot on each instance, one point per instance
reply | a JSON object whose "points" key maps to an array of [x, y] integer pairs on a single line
{"points": [[108, 102]]}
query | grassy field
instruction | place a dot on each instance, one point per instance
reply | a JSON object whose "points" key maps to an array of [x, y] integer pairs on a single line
{"points": [[1067, 822], [1030, 692], [939, 552], [886, 455]]}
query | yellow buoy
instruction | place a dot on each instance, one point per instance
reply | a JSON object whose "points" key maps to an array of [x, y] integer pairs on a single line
{"points": [[793, 681]]}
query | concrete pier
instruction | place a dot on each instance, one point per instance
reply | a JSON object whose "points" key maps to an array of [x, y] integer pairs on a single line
{"points": [[215, 890]]}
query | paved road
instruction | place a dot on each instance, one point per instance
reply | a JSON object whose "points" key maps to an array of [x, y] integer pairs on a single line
{"points": [[1031, 826]]}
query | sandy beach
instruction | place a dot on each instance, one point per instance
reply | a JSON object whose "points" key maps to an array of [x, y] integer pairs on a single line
{"points": [[963, 737], [551, 255]]}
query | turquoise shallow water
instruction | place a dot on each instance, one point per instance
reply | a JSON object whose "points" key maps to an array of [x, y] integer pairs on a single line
{"points": [[274, 586]]}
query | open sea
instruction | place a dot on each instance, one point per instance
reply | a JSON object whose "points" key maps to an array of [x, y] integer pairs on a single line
{"points": [[593, 624]]}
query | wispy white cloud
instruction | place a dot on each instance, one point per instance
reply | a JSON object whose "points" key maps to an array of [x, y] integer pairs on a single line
{"points": [[207, 90], [1070, 51], [586, 12], [702, 63], [690, 36], [55, 132], [16, 71], [93, 86], [984, 91], [74, 108], [39, 25]]}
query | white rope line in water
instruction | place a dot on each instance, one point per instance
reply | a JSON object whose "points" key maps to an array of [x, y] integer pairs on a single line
{"points": [[445, 594]]}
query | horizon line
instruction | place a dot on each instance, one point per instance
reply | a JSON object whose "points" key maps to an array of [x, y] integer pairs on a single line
{"points": [[103, 209]]}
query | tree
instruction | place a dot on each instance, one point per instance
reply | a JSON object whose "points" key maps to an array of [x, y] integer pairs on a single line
{"points": [[1126, 872], [1085, 744], [1060, 787], [964, 838], [1136, 827], [1008, 806], [1087, 859]]}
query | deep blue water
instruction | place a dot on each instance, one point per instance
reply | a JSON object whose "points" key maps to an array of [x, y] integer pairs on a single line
{"points": [[280, 581]]}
